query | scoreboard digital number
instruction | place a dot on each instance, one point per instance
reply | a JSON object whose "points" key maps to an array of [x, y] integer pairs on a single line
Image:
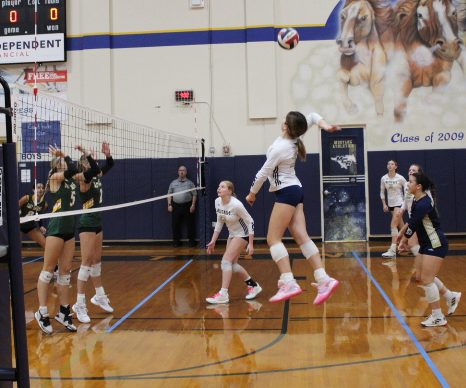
{"points": [[19, 41]]}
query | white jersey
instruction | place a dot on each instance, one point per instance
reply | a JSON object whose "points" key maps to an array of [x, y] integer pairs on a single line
{"points": [[235, 216], [409, 198], [281, 159], [395, 189]]}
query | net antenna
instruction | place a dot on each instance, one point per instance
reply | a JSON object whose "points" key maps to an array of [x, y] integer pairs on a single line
{"points": [[143, 155]]}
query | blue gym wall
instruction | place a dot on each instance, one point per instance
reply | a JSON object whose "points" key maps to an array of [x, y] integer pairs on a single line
{"points": [[148, 178]]}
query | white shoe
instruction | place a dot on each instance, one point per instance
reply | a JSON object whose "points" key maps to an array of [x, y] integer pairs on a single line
{"points": [[103, 302], [253, 291], [44, 322], [218, 298], [432, 321], [389, 254], [81, 312], [453, 302]]}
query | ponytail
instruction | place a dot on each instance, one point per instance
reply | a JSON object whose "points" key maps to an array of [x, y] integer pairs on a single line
{"points": [[301, 149]]}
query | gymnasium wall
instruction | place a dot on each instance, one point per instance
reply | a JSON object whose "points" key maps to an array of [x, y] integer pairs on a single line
{"points": [[147, 178], [128, 58]]}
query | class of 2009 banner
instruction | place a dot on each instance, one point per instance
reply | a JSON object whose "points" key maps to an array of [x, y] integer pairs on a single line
{"points": [[398, 67]]}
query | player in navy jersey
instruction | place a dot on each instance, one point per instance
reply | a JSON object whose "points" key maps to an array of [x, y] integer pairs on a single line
{"points": [[424, 221], [287, 212], [231, 211]]}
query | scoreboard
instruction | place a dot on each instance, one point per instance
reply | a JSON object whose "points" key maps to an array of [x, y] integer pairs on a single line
{"points": [[20, 42]]}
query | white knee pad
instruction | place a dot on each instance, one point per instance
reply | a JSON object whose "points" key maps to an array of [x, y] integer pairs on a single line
{"points": [[237, 267], [309, 249], [278, 251], [96, 270], [64, 280], [84, 272], [45, 276], [432, 293], [226, 266], [415, 249], [394, 231]]}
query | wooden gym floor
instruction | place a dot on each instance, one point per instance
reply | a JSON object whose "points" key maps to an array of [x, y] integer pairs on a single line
{"points": [[163, 333]]}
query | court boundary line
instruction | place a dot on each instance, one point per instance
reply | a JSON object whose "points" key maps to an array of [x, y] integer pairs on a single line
{"points": [[34, 260], [403, 323], [147, 298]]}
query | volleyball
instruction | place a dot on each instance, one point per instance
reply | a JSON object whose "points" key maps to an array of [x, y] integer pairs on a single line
{"points": [[288, 38]]}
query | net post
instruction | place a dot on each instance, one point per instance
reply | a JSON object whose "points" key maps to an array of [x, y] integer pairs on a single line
{"points": [[14, 260]]}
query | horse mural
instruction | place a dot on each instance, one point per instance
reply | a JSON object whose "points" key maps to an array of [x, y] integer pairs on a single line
{"points": [[363, 58], [426, 46]]}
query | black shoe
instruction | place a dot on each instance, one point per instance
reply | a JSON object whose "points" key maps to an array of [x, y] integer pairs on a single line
{"points": [[193, 244], [177, 244], [64, 317]]}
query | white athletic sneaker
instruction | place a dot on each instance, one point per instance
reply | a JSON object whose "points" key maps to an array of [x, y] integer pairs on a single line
{"points": [[432, 321], [253, 291], [44, 322], [453, 302], [103, 302], [389, 254], [66, 320], [218, 298], [81, 312], [286, 291]]}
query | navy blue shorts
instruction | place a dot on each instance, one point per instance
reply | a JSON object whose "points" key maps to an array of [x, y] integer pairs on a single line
{"points": [[439, 252], [391, 208], [291, 195]]}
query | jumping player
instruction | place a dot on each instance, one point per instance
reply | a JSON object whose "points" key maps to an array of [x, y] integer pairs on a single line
{"points": [[59, 243], [91, 237], [287, 212]]}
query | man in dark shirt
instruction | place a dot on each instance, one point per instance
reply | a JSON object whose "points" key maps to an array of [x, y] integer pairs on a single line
{"points": [[182, 206]]}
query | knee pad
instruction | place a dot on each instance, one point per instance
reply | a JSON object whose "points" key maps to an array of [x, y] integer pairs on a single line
{"points": [[84, 272], [394, 231], [309, 249], [226, 266], [432, 293], [45, 276], [278, 251], [96, 270], [438, 283], [237, 267], [64, 280], [415, 249]]}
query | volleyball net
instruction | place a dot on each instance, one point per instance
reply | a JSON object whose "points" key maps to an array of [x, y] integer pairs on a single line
{"points": [[146, 159]]}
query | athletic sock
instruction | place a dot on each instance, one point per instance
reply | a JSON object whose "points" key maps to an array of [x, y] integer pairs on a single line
{"points": [[250, 282]]}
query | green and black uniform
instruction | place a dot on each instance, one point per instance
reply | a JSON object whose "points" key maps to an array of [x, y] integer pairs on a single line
{"points": [[64, 200], [91, 199], [29, 209]]}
